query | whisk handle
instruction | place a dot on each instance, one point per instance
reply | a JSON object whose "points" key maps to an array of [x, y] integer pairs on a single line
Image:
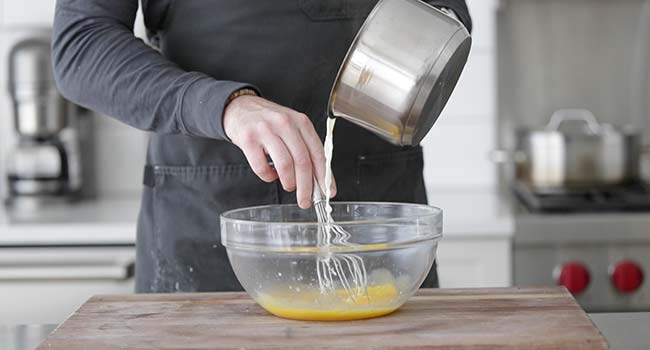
{"points": [[316, 195]]}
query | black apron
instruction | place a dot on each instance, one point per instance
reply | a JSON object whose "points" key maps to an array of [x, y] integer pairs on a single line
{"points": [[290, 50]]}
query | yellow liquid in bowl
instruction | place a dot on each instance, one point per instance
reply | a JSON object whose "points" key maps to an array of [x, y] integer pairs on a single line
{"points": [[380, 300]]}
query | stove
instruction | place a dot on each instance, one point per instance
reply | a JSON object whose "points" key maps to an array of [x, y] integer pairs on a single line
{"points": [[621, 198], [595, 242]]}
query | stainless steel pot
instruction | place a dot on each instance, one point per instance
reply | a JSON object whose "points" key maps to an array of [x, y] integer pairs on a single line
{"points": [[589, 154], [400, 70]]}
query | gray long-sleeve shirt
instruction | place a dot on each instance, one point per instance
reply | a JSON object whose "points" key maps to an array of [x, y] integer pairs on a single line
{"points": [[100, 64]]}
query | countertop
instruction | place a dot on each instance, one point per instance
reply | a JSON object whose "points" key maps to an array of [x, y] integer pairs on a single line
{"points": [[91, 221], [624, 331], [478, 212], [467, 213]]}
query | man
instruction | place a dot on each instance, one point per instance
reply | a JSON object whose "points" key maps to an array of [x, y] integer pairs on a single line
{"points": [[232, 82]]}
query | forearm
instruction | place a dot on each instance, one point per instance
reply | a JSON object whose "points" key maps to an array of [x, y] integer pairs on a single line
{"points": [[100, 64]]}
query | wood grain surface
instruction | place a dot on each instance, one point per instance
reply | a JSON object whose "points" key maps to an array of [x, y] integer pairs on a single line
{"points": [[502, 318]]}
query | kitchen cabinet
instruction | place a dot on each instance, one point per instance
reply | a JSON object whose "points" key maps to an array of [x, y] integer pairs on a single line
{"points": [[465, 263], [476, 245], [52, 261], [47, 284]]}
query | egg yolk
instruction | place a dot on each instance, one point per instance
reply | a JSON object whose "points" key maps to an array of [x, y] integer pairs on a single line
{"points": [[378, 301]]}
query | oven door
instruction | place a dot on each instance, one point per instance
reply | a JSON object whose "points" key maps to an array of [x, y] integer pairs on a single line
{"points": [[46, 284]]}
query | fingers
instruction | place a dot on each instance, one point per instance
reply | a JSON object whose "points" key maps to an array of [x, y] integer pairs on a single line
{"points": [[302, 163], [282, 160], [258, 162], [260, 127], [315, 148]]}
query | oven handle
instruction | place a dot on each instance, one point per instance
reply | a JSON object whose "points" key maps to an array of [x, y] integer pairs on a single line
{"points": [[83, 272]]}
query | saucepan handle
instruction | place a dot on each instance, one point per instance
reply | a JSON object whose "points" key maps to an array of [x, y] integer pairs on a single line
{"points": [[573, 114]]}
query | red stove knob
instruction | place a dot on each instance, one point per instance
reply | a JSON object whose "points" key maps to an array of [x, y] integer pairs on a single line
{"points": [[627, 276], [574, 276]]}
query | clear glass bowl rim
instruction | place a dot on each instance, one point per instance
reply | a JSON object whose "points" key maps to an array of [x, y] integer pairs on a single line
{"points": [[429, 212], [435, 211]]}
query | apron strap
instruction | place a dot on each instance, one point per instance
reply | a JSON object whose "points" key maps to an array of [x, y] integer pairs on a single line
{"points": [[149, 178]]}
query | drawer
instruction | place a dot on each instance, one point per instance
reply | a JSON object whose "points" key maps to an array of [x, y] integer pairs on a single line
{"points": [[45, 285]]}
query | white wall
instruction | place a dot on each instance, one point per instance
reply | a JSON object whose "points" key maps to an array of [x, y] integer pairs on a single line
{"points": [[456, 150]]}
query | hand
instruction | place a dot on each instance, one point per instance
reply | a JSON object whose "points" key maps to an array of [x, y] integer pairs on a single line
{"points": [[260, 127]]}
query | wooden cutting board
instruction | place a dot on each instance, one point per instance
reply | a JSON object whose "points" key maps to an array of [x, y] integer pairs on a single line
{"points": [[503, 318]]}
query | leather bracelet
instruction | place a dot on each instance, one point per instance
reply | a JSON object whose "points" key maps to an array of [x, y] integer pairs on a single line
{"points": [[241, 92]]}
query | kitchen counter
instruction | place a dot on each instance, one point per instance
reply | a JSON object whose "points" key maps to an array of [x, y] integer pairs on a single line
{"points": [[624, 331], [478, 212], [88, 222], [467, 213]]}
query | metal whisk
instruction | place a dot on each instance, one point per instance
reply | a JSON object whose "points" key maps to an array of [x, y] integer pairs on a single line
{"points": [[349, 269]]}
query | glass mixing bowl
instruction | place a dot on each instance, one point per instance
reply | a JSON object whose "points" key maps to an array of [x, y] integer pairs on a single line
{"points": [[281, 257]]}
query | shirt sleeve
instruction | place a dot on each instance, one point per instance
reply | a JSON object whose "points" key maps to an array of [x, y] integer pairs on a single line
{"points": [[460, 9], [100, 64]]}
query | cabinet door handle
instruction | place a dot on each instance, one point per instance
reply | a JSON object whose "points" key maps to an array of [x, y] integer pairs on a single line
{"points": [[33, 272]]}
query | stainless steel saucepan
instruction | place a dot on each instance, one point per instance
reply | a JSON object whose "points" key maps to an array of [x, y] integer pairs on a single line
{"points": [[400, 70], [574, 150]]}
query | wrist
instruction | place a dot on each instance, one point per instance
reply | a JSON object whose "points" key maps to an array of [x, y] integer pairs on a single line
{"points": [[240, 92], [229, 106]]}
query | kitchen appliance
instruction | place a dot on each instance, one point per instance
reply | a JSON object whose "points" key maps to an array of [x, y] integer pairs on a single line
{"points": [[588, 155], [582, 212], [601, 257], [44, 165], [275, 252], [592, 233], [593, 238], [476, 318], [400, 70], [629, 197]]}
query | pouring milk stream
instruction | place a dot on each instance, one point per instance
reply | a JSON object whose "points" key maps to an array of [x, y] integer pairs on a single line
{"points": [[430, 48]]}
